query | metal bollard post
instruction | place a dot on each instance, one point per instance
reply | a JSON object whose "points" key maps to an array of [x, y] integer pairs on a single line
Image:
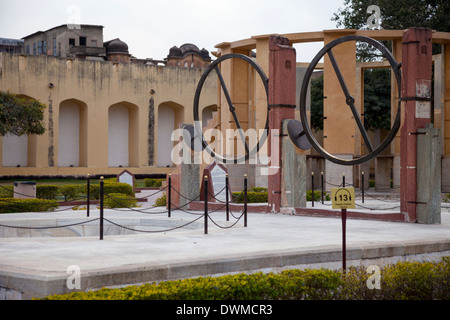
{"points": [[169, 195], [245, 200], [101, 207], [206, 205], [312, 189], [362, 186], [322, 186], [226, 197], [344, 228], [88, 197]]}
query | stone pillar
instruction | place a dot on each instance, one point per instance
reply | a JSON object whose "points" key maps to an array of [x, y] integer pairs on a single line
{"points": [[416, 93], [25, 190], [428, 208], [282, 85], [341, 136], [293, 171]]}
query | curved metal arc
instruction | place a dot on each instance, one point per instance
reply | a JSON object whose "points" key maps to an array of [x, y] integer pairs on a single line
{"points": [[350, 100], [198, 129], [396, 125]]}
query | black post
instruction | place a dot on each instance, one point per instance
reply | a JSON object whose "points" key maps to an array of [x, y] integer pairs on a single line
{"points": [[101, 208], [88, 191], [321, 185], [206, 205], [312, 189], [226, 197], [169, 201], [362, 186], [245, 200], [344, 227]]}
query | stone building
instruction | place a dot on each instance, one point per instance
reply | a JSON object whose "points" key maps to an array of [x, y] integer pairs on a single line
{"points": [[75, 41], [188, 56], [105, 110], [11, 45]]}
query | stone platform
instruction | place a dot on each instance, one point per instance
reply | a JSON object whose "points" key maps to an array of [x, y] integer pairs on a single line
{"points": [[37, 263]]}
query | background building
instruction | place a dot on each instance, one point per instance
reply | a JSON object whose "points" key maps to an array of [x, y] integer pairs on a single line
{"points": [[105, 110]]}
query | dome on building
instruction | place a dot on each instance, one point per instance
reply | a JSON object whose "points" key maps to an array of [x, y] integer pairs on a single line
{"points": [[189, 48], [117, 46], [174, 52], [205, 54]]}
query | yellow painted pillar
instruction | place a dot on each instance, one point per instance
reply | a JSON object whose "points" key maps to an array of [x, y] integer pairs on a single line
{"points": [[339, 128]]}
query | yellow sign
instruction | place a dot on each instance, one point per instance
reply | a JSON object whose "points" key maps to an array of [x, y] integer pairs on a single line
{"points": [[343, 198]]}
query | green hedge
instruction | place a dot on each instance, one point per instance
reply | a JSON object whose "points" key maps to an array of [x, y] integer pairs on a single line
{"points": [[260, 195], [161, 201], [155, 183], [252, 197], [402, 281], [47, 191], [317, 196], [12, 205], [120, 200], [6, 191], [72, 192]]}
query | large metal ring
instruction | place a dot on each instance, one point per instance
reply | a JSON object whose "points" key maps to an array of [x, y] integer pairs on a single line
{"points": [[373, 152], [198, 130]]}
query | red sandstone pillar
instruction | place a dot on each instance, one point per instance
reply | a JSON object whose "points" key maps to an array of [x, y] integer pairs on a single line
{"points": [[416, 93], [282, 86]]}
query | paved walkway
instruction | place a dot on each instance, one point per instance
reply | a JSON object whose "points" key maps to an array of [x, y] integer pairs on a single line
{"points": [[34, 263]]}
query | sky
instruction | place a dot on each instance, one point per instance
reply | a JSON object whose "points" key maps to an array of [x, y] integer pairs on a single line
{"points": [[151, 28]]}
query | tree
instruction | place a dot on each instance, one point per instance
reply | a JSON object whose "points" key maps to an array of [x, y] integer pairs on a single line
{"points": [[20, 115], [317, 103], [377, 99], [399, 14]]}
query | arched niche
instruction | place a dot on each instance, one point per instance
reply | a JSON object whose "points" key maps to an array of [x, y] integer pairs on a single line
{"points": [[19, 151], [170, 116], [72, 133], [123, 135]]}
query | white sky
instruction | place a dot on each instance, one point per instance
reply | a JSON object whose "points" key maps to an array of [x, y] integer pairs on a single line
{"points": [[151, 28]]}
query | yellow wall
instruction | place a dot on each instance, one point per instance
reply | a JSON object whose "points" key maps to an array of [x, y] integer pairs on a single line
{"points": [[96, 86]]}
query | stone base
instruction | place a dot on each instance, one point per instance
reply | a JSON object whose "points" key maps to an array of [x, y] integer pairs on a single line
{"points": [[334, 173], [293, 173]]}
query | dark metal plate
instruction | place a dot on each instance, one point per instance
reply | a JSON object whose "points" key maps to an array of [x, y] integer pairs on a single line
{"points": [[298, 136]]}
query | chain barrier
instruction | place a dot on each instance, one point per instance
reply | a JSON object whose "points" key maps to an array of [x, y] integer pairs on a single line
{"points": [[50, 227], [206, 215]]}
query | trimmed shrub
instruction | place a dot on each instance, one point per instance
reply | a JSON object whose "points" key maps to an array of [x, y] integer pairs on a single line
{"points": [[12, 205], [161, 201], [47, 191], [317, 196], [71, 191], [6, 191], [252, 197], [153, 183], [404, 280], [118, 187], [108, 188], [119, 200]]}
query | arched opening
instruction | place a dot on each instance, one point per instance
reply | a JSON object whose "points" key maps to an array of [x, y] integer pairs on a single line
{"points": [[123, 130], [170, 116], [15, 151], [72, 133], [19, 151]]}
